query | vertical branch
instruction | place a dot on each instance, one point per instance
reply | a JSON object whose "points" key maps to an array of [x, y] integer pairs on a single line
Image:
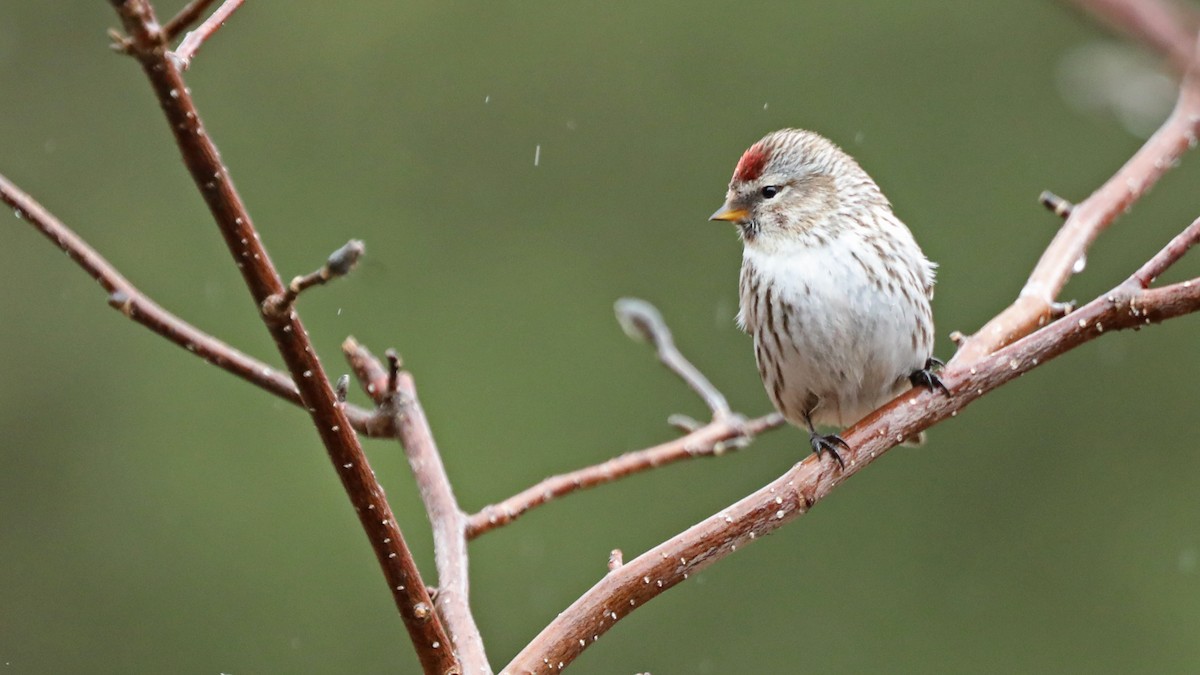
{"points": [[147, 44], [449, 526], [396, 394]]}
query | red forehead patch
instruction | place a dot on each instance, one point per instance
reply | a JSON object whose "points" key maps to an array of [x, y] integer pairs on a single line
{"points": [[750, 166]]}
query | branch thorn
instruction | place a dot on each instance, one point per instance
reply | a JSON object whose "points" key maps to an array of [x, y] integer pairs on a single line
{"points": [[1057, 205], [120, 43], [684, 423], [394, 365]]}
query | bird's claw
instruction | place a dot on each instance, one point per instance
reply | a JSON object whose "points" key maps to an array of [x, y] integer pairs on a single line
{"points": [[925, 377], [828, 443]]}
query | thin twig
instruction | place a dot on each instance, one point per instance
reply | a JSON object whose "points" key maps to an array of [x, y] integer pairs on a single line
{"points": [[727, 430], [710, 440], [642, 321], [202, 159], [638, 581], [1088, 219], [194, 39], [134, 304], [187, 16], [1057, 205], [338, 265], [394, 365], [396, 394], [1170, 253]]}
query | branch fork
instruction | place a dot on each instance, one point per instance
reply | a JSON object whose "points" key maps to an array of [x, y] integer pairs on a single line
{"points": [[1035, 329], [339, 264]]}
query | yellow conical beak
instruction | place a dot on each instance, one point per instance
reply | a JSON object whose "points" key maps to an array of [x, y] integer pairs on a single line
{"points": [[729, 213]]}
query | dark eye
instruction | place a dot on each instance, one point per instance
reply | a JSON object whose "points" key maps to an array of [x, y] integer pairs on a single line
{"points": [[770, 191]]}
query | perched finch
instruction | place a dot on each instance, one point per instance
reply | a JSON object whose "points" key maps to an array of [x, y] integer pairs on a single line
{"points": [[833, 288]]}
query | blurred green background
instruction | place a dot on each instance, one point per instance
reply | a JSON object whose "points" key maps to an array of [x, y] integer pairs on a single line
{"points": [[158, 515]]}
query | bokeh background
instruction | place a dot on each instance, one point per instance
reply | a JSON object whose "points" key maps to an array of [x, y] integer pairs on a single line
{"points": [[158, 515]]}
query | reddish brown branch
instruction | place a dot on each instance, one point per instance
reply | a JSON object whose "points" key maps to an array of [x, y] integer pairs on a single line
{"points": [[727, 430], [983, 364], [713, 439], [1172, 252], [396, 394], [202, 159], [629, 586], [339, 264], [1034, 306], [187, 16], [196, 38], [124, 296]]}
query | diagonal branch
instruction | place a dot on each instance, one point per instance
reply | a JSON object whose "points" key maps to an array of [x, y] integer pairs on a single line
{"points": [[200, 155], [195, 39], [1168, 256], [710, 440], [134, 304], [1166, 27], [727, 430], [1013, 343], [1034, 306], [642, 321], [638, 581], [187, 16]]}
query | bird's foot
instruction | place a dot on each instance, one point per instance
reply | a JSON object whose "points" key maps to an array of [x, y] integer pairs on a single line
{"points": [[925, 377], [828, 443]]}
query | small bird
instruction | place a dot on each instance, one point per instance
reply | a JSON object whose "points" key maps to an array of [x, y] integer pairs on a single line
{"points": [[833, 288]]}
